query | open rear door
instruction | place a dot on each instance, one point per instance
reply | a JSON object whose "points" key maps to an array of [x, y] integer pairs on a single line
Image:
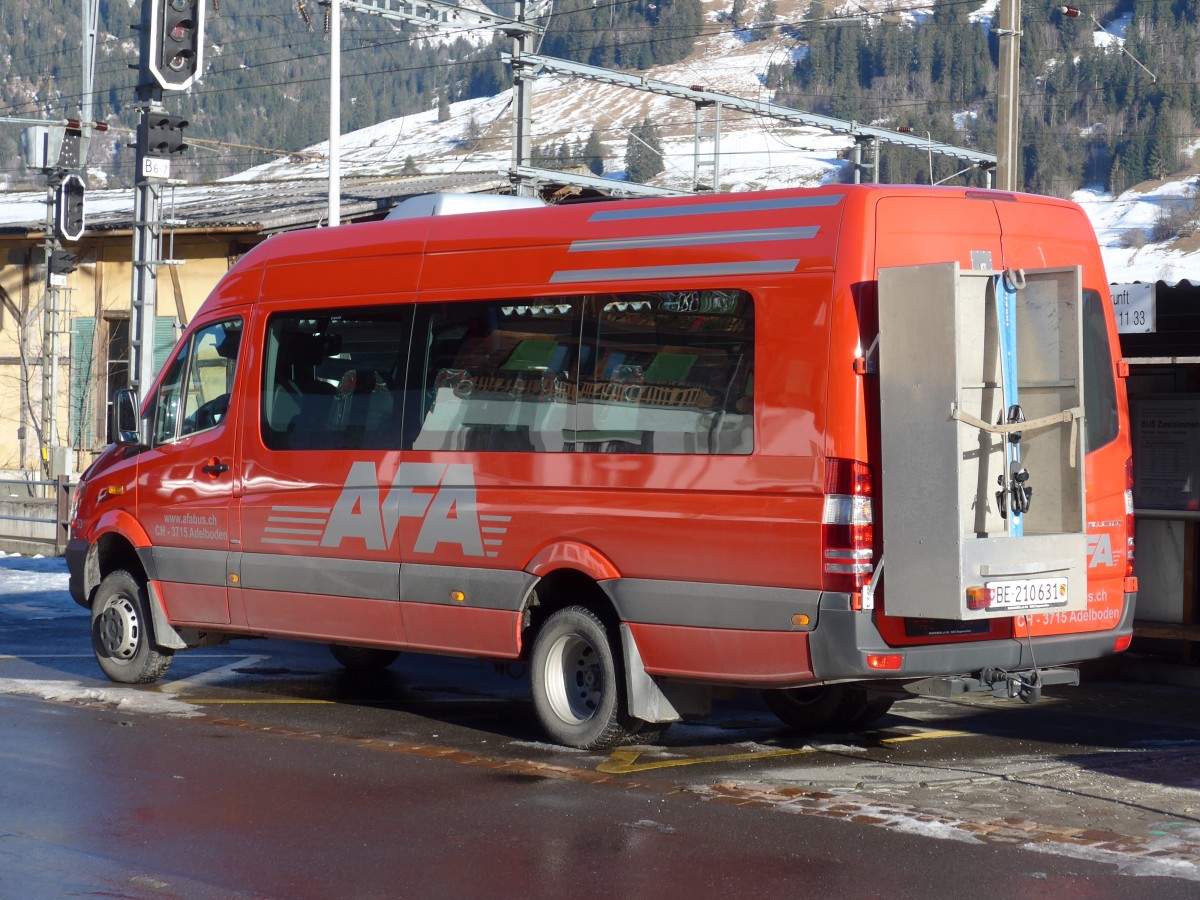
{"points": [[982, 484]]}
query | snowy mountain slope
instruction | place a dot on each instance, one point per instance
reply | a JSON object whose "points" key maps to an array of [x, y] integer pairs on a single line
{"points": [[478, 135], [1123, 225], [754, 153]]}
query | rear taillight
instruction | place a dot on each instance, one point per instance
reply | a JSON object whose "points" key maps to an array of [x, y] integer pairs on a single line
{"points": [[847, 526], [1129, 529]]}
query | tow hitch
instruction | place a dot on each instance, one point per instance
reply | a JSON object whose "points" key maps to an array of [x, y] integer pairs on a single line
{"points": [[1026, 684]]}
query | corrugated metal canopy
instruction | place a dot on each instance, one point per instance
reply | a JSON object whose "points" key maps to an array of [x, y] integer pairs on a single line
{"points": [[1180, 283], [254, 207]]}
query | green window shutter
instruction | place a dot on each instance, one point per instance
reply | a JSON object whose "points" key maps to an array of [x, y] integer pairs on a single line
{"points": [[83, 382], [164, 341]]}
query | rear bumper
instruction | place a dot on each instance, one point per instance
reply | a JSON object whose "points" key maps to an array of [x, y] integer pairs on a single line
{"points": [[840, 644]]}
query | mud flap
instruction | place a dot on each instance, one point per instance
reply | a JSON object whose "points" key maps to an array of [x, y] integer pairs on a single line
{"points": [[653, 699], [165, 635]]}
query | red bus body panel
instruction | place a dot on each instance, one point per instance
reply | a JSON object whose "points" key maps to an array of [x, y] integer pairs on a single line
{"points": [[738, 536]]}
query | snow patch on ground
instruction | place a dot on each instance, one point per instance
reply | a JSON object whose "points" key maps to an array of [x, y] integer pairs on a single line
{"points": [[119, 698], [1157, 867], [29, 575], [1113, 34]]}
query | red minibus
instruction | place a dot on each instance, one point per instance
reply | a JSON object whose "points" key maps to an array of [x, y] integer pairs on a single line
{"points": [[649, 447]]}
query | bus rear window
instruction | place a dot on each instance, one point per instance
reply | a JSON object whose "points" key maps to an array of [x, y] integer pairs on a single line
{"points": [[1099, 387]]}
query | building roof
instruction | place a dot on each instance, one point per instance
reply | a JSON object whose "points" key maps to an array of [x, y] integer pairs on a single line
{"points": [[253, 207]]}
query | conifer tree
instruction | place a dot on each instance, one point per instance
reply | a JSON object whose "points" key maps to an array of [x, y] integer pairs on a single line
{"points": [[1162, 156], [593, 153], [764, 21], [737, 15], [643, 152]]}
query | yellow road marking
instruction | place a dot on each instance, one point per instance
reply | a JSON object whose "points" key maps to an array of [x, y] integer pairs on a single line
{"points": [[625, 762], [923, 736]]}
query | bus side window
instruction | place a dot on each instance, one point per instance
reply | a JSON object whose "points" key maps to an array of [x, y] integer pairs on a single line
{"points": [[497, 375], [331, 378], [673, 374], [194, 393], [210, 376]]}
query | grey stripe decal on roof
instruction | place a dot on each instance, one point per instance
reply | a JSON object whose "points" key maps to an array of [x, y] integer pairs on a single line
{"points": [[695, 240], [694, 270], [714, 209]]}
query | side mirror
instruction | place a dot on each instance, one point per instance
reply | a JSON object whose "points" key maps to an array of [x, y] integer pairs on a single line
{"points": [[127, 424]]}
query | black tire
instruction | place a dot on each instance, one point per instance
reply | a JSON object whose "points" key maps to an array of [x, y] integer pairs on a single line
{"points": [[122, 636], [826, 707], [363, 659], [647, 732], [578, 683], [873, 709]]}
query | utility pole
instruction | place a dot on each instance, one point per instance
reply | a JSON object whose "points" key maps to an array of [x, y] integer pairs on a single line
{"points": [[171, 59], [335, 113], [50, 309], [1008, 114], [522, 75], [91, 22]]}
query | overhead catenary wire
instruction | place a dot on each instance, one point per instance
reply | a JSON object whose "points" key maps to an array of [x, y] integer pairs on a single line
{"points": [[409, 38]]}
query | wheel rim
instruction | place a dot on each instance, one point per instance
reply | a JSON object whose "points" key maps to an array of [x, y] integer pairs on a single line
{"points": [[119, 629], [574, 679]]}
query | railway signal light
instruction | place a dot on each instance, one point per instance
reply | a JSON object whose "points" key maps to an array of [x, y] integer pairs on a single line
{"points": [[62, 262], [68, 209], [161, 135], [176, 43], [59, 264]]}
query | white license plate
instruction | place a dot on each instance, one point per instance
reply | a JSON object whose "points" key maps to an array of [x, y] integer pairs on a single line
{"points": [[1029, 594]]}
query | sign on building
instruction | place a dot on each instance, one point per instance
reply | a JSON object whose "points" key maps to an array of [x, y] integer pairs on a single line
{"points": [[1134, 305]]}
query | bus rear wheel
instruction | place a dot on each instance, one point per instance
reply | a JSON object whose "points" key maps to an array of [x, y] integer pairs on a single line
{"points": [[363, 659], [578, 691], [122, 638], [828, 706]]}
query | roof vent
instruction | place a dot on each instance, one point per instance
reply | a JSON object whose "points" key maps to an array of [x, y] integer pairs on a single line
{"points": [[456, 204]]}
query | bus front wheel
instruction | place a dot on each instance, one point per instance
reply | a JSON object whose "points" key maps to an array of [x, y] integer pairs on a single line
{"points": [[122, 638], [578, 692]]}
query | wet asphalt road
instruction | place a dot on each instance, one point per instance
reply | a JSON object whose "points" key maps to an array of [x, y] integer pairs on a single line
{"points": [[99, 802], [261, 769]]}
